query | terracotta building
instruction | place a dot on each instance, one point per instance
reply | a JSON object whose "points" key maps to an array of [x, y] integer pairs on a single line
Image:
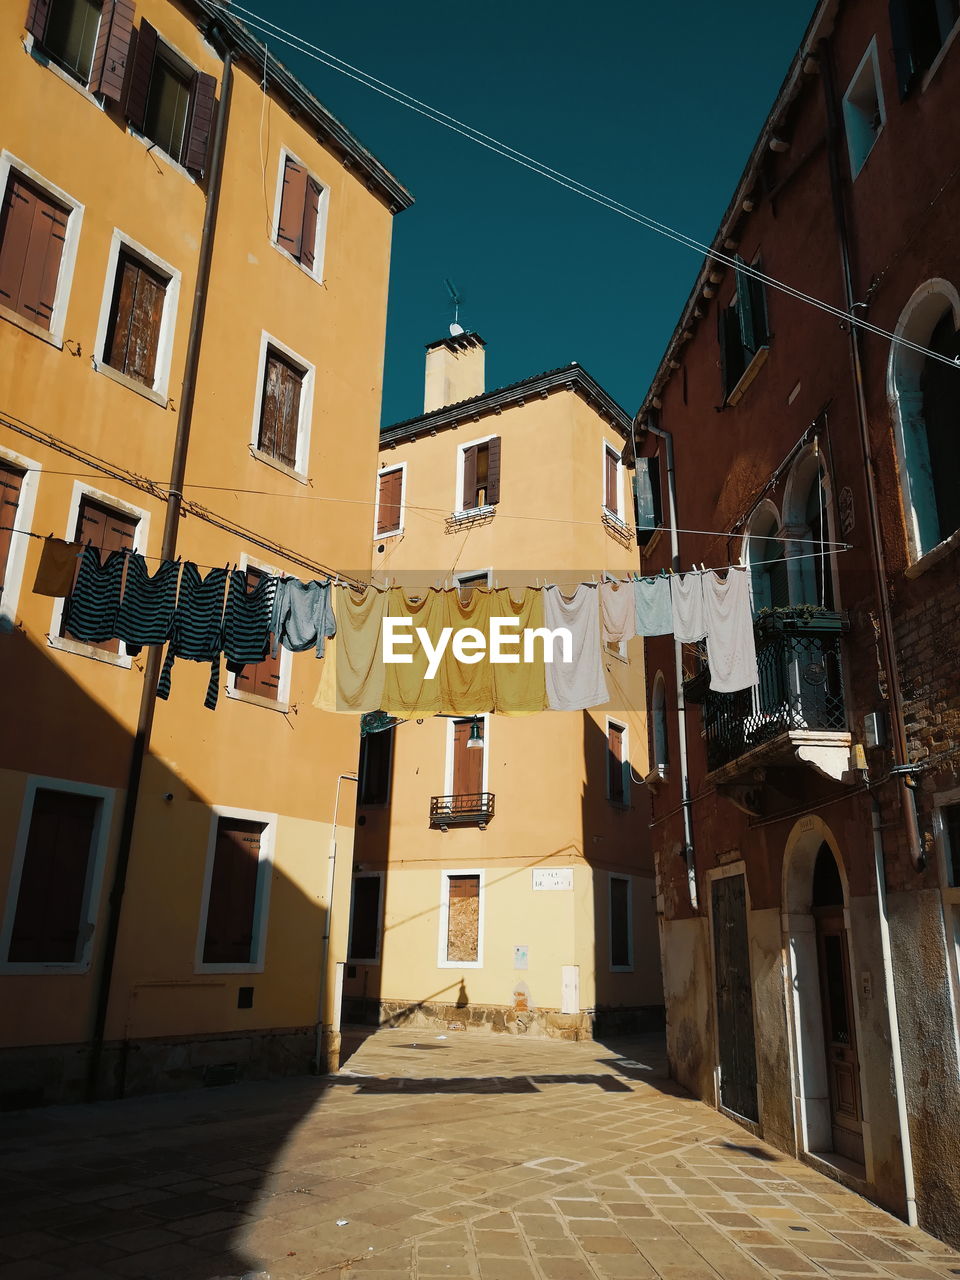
{"points": [[806, 832]]}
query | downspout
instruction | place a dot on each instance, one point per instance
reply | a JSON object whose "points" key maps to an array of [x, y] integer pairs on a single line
{"points": [[686, 802], [325, 951], [148, 694]]}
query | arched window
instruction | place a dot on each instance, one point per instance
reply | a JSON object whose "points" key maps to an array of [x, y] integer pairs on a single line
{"points": [[661, 746], [808, 524], [765, 557], [925, 398]]}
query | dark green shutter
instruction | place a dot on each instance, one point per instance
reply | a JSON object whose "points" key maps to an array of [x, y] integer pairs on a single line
{"points": [[904, 51]]}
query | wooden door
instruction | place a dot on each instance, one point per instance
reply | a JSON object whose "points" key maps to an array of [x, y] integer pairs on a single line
{"points": [[467, 761], [735, 1034], [839, 1034]]}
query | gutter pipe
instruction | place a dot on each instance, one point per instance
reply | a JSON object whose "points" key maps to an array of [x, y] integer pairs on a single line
{"points": [[325, 952]]}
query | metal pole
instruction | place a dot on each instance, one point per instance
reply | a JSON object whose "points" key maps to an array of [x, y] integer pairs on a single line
{"points": [[325, 951]]}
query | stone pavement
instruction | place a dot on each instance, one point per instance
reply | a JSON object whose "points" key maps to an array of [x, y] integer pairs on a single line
{"points": [[468, 1157]]}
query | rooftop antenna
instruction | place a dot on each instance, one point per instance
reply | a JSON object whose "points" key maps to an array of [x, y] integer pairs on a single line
{"points": [[456, 297]]}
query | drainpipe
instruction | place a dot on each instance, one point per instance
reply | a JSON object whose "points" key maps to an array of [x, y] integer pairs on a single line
{"points": [[902, 770], [686, 802], [325, 952], [148, 694]]}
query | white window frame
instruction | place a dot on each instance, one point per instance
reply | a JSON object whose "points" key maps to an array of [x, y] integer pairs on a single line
{"points": [[159, 391], [32, 47], [68, 258], [465, 575], [391, 533], [19, 542], [442, 961], [608, 447], [872, 59], [140, 541], [611, 876], [261, 911], [461, 450], [448, 764], [320, 243], [950, 896], [94, 881], [625, 768], [374, 959], [299, 472], [282, 703]]}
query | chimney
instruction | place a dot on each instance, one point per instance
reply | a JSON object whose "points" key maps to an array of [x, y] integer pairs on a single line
{"points": [[454, 371]]}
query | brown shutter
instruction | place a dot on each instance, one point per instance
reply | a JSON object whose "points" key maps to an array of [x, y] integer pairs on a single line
{"points": [[228, 937], [33, 235], [610, 482], [10, 482], [144, 334], [19, 203], [493, 472], [615, 763], [470, 478], [46, 928], [203, 97], [121, 313], [141, 72], [37, 14], [311, 213], [388, 509], [280, 411], [261, 678], [292, 201], [467, 761], [113, 46]]}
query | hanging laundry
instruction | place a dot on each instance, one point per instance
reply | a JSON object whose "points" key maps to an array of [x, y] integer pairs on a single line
{"points": [[618, 613], [686, 603], [91, 611], [466, 689], [246, 619], [579, 683], [302, 616], [57, 567], [407, 692], [731, 647], [520, 688], [197, 630], [146, 611], [353, 670], [654, 616]]}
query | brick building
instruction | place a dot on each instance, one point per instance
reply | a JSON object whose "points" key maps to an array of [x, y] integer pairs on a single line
{"points": [[803, 829]]}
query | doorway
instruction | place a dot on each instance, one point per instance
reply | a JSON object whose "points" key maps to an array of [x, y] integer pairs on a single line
{"points": [[736, 1045]]}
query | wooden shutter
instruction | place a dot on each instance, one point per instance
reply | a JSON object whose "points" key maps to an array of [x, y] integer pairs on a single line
{"points": [[10, 482], [610, 476], [50, 901], [388, 502], [904, 46], [203, 98], [292, 202], [619, 922], [615, 788], [745, 311], [467, 761], [311, 215], [141, 73], [38, 12], [260, 678], [134, 334], [113, 47], [280, 410], [365, 917], [33, 233], [463, 919], [493, 472], [231, 907], [469, 478]]}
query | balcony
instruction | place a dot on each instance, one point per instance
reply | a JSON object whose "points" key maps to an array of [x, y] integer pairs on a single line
{"points": [[473, 810], [797, 712]]}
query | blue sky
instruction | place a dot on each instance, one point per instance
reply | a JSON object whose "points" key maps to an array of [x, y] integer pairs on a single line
{"points": [[657, 105]]}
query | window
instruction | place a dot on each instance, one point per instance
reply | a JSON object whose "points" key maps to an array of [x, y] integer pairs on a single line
{"points": [[466, 761], [136, 314], [390, 486], [260, 679], [364, 945], [51, 921], [461, 920], [647, 499], [611, 480], [235, 908], [107, 530], [301, 215], [743, 329], [376, 767], [618, 767], [283, 402], [621, 923], [919, 29], [33, 230], [11, 481], [768, 567], [480, 475], [169, 102], [467, 583], [863, 112], [89, 45]]}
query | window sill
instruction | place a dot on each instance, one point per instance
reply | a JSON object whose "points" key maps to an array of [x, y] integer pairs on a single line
{"points": [[257, 700], [748, 375], [131, 384], [855, 172], [30, 45], [933, 556], [41, 967], [28, 326], [621, 968], [390, 533], [469, 519], [66, 645], [938, 61], [459, 964], [254, 967], [282, 467], [616, 528], [154, 149], [284, 253]]}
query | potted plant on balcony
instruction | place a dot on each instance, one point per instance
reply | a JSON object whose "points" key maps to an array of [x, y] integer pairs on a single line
{"points": [[798, 617]]}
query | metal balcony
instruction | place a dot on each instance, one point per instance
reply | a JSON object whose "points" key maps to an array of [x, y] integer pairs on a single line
{"points": [[461, 811], [797, 712]]}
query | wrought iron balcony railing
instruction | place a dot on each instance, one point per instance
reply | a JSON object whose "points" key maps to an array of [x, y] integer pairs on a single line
{"points": [[464, 810], [800, 688]]}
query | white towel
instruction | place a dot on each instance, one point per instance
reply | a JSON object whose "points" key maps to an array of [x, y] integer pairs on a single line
{"points": [[580, 683], [686, 601], [731, 648], [617, 612]]}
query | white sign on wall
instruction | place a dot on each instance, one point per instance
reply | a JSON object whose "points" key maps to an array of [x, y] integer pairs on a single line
{"points": [[553, 878]]}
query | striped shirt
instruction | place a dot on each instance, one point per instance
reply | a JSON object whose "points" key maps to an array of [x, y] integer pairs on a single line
{"points": [[91, 610], [246, 620], [197, 631], [148, 604]]}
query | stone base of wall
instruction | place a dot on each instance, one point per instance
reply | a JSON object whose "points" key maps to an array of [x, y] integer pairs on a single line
{"points": [[42, 1074], [506, 1020]]}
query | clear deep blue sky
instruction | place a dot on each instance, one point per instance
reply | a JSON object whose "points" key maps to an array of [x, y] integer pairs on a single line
{"points": [[655, 104]]}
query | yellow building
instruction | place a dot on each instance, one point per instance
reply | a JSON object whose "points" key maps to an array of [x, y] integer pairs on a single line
{"points": [[502, 872], [193, 281]]}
